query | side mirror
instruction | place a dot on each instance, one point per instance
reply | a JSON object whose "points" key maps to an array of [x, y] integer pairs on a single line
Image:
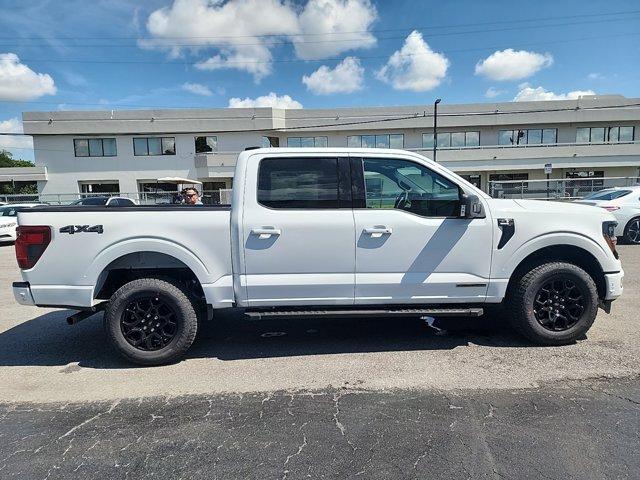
{"points": [[471, 206]]}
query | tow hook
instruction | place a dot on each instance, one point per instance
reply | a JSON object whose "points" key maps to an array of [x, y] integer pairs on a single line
{"points": [[83, 314]]}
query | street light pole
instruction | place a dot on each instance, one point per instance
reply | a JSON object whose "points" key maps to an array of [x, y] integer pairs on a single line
{"points": [[435, 127]]}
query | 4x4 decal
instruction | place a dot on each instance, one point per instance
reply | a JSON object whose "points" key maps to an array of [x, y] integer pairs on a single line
{"points": [[71, 229]]}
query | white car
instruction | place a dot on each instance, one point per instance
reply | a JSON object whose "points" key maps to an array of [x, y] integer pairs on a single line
{"points": [[624, 203], [111, 201], [9, 219]]}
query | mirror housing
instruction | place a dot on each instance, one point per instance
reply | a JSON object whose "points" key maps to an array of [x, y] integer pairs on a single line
{"points": [[471, 206]]}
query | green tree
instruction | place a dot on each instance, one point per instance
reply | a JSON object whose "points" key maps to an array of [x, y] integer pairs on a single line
{"points": [[7, 160]]}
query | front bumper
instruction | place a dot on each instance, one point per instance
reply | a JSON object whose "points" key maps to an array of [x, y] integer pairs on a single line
{"points": [[613, 282], [22, 293]]}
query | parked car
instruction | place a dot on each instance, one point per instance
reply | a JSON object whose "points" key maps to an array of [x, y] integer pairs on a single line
{"points": [[624, 204], [9, 219], [302, 237], [111, 201]]}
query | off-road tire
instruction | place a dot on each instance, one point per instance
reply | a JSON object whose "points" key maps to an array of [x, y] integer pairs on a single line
{"points": [[522, 294], [175, 296]]}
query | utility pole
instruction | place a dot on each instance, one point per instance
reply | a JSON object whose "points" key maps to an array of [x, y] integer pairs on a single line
{"points": [[435, 127]]}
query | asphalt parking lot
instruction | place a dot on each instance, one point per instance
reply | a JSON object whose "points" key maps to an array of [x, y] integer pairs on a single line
{"points": [[315, 398]]}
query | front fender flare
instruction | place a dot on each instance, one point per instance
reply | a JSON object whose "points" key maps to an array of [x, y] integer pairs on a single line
{"points": [[549, 240]]}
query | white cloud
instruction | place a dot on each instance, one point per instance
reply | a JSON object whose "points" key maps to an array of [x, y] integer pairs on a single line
{"points": [[415, 66], [271, 100], [346, 77], [596, 76], [528, 93], [322, 17], [197, 89], [493, 92], [510, 64], [19, 83], [13, 125], [237, 29], [242, 33]]}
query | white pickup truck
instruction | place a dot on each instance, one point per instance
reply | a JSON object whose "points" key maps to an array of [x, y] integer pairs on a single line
{"points": [[330, 231]]}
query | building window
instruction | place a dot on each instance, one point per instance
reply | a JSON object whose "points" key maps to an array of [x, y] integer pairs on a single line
{"points": [[206, 144], [298, 183], [95, 147], [452, 139], [98, 186], [532, 136], [615, 134], [508, 177], [147, 146], [391, 140], [307, 141], [268, 142], [475, 180]]}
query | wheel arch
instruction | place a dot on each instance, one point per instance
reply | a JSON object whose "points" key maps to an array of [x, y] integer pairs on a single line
{"points": [[150, 256], [568, 253]]}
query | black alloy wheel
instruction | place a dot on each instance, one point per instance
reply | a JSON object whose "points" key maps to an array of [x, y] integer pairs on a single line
{"points": [[149, 323], [559, 304]]}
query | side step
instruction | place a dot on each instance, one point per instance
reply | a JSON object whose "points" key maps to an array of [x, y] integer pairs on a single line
{"points": [[403, 312]]}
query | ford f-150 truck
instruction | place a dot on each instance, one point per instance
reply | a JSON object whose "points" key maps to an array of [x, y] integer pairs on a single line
{"points": [[329, 231]]}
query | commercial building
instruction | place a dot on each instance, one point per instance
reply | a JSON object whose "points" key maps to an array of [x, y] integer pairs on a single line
{"points": [[127, 151]]}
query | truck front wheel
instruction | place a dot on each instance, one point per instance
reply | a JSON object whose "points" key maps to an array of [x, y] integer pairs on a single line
{"points": [[151, 321], [553, 304]]}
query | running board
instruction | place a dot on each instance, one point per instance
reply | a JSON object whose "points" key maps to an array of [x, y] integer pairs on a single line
{"points": [[404, 312]]}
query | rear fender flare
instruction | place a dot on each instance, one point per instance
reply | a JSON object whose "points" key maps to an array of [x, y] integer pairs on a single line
{"points": [[126, 247]]}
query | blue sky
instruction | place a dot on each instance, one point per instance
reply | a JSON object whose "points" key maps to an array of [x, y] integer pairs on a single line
{"points": [[73, 54]]}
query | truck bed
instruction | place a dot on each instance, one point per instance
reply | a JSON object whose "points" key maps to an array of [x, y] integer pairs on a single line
{"points": [[74, 264]]}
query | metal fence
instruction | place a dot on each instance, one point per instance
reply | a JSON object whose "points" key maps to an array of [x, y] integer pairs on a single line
{"points": [[557, 189], [213, 197]]}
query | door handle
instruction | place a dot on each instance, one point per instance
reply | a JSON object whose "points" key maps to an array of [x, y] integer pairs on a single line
{"points": [[378, 231], [265, 232]]}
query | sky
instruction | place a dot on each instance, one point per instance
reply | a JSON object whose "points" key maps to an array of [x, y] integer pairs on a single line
{"points": [[127, 54]]}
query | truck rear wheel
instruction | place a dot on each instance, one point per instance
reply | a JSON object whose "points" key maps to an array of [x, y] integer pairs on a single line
{"points": [[151, 321], [553, 304]]}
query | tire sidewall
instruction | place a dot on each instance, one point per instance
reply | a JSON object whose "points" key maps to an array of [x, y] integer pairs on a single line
{"points": [[626, 232], [583, 281], [185, 316]]}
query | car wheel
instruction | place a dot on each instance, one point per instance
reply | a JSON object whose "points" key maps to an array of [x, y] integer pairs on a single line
{"points": [[632, 231], [553, 304], [151, 321]]}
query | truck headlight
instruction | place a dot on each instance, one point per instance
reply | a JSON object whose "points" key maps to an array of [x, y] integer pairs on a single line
{"points": [[608, 232]]}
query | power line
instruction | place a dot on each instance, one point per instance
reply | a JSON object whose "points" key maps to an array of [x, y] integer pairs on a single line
{"points": [[366, 57], [159, 41], [323, 34], [413, 116]]}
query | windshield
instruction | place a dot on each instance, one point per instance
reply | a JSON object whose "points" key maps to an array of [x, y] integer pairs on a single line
{"points": [[91, 201], [607, 194]]}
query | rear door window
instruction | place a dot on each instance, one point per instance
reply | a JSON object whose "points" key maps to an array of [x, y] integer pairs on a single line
{"points": [[298, 183]]}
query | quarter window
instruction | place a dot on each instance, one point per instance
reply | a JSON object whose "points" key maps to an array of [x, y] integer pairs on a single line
{"points": [[298, 183], [409, 186], [95, 147], [146, 146], [206, 144], [307, 142]]}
